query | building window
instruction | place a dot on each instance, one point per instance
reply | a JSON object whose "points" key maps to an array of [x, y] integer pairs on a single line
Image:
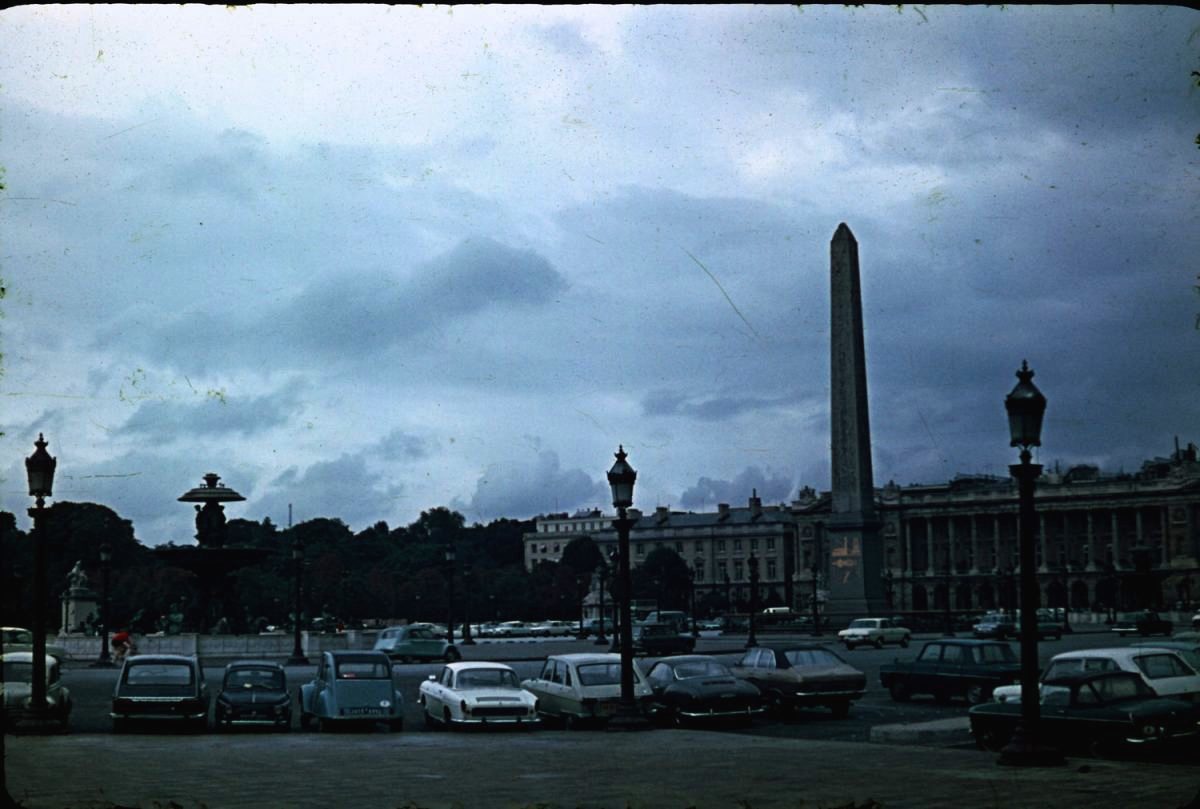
{"points": [[678, 547], [737, 570], [770, 543], [641, 549], [720, 546], [770, 568], [699, 572], [737, 544], [543, 549], [753, 544], [556, 547]]}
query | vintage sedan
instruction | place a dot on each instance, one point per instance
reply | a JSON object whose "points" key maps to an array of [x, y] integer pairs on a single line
{"points": [[874, 632], [656, 640], [953, 668], [254, 692], [351, 688], [696, 688], [802, 677], [18, 639], [160, 688], [415, 642], [583, 689], [1094, 712], [995, 625], [1144, 623], [1164, 669], [476, 693], [16, 688]]}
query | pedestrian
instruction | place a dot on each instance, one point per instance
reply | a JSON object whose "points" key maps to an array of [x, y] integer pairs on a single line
{"points": [[122, 644]]}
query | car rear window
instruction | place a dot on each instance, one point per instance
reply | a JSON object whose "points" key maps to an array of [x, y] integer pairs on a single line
{"points": [[1080, 665], [159, 674], [487, 678], [1161, 665], [994, 653], [600, 674], [268, 679], [811, 657], [700, 668], [363, 670], [18, 672]]}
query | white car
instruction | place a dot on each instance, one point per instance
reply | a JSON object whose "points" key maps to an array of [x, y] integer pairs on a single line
{"points": [[873, 632], [476, 693], [16, 688], [580, 689], [1164, 670]]}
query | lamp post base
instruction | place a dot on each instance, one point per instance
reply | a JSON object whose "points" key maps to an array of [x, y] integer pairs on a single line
{"points": [[298, 660], [1025, 751], [102, 663], [628, 717], [600, 641]]}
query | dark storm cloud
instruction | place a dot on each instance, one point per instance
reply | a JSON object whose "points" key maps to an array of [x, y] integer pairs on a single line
{"points": [[706, 493], [345, 488], [215, 413], [400, 446], [524, 490], [663, 403]]}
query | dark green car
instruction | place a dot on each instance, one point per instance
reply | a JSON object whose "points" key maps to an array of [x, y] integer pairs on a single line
{"points": [[1094, 713], [953, 668]]}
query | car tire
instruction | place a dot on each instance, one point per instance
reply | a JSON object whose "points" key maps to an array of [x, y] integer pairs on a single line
{"points": [[570, 722], [904, 642], [395, 725], [446, 721], [120, 726], [452, 655], [899, 691], [840, 709], [991, 739], [776, 704], [879, 643], [977, 694], [849, 646]]}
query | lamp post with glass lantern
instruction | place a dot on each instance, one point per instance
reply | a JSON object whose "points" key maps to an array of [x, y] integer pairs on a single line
{"points": [[1026, 406], [621, 478], [948, 628], [104, 661], [297, 658], [39, 468]]}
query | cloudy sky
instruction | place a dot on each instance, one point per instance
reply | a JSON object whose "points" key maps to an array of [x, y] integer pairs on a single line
{"points": [[373, 260]]}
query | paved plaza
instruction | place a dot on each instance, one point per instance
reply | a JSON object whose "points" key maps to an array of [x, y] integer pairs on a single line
{"points": [[667, 769]]}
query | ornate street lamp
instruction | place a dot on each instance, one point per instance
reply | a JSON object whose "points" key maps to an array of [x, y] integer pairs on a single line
{"points": [[621, 479], [1026, 405], [887, 589], [614, 557], [948, 630], [297, 658], [450, 557], [752, 564], [39, 468], [602, 573], [103, 661], [728, 595], [816, 630]]}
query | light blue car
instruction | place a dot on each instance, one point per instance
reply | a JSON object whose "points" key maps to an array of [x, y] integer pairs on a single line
{"points": [[351, 688], [415, 642]]}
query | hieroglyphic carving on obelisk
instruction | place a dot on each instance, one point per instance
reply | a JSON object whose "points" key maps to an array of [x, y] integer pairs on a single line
{"points": [[854, 562]]}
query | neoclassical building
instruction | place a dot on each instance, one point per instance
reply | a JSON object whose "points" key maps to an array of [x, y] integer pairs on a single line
{"points": [[1104, 541]]}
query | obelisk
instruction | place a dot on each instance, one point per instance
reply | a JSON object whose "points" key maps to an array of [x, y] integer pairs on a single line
{"points": [[855, 555]]}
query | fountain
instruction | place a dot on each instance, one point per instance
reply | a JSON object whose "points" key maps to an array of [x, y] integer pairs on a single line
{"points": [[211, 560]]}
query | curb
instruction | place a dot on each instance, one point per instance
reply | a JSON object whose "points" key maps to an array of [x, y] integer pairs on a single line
{"points": [[939, 732]]}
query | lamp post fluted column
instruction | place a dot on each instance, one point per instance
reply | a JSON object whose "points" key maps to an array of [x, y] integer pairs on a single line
{"points": [[752, 564], [603, 574], [1026, 405], [103, 661], [621, 479], [297, 658], [40, 470]]}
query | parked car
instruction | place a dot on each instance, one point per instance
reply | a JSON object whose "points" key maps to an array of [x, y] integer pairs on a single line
{"points": [[351, 688], [583, 689], [415, 642], [254, 691], [17, 639], [710, 624], [559, 629], [874, 632], [16, 688], [1049, 627], [694, 688], [476, 693], [1143, 623], [657, 640], [513, 629], [995, 625], [676, 619], [1164, 670], [1187, 644], [1095, 712], [160, 688], [801, 677], [953, 667]]}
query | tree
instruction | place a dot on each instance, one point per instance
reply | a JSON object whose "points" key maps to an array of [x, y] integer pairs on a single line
{"points": [[582, 556], [663, 577]]}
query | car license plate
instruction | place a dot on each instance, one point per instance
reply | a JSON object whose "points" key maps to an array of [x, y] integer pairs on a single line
{"points": [[364, 711]]}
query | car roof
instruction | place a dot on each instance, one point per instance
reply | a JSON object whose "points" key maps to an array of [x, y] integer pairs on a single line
{"points": [[676, 659], [1083, 677], [163, 658], [25, 657], [339, 654], [967, 642], [254, 664], [478, 664], [1111, 651], [586, 657]]}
